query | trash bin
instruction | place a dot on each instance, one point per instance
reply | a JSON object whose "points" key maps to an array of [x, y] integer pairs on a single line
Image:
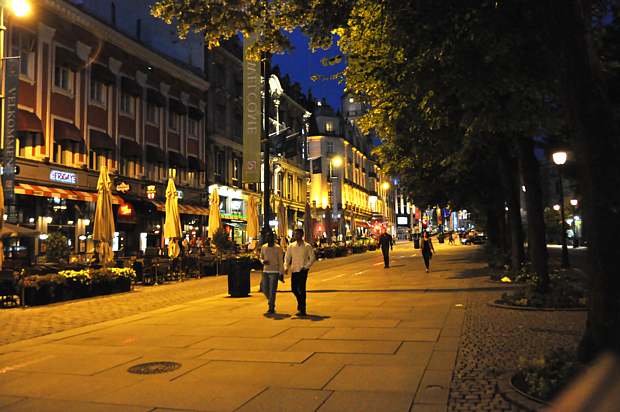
{"points": [[416, 243], [239, 277]]}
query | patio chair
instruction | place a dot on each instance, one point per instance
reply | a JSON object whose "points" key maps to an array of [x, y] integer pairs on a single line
{"points": [[8, 287], [175, 272], [148, 272], [190, 267]]}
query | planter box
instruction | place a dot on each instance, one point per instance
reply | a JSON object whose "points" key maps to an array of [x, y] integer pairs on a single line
{"points": [[330, 253], [372, 247], [239, 278]]}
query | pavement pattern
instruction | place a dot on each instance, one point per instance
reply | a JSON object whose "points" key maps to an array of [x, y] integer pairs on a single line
{"points": [[375, 339]]}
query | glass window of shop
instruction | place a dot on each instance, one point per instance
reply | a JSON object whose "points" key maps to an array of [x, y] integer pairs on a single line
{"points": [[63, 214], [23, 212]]}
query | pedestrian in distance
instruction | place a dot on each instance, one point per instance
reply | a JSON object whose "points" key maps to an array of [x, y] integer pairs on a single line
{"points": [[385, 241], [272, 258], [426, 246], [299, 257], [450, 239]]}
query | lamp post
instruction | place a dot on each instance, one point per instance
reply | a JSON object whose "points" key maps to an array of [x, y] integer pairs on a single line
{"points": [[559, 158], [334, 161]]}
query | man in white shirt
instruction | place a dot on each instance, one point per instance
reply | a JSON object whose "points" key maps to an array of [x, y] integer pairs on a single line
{"points": [[299, 257]]}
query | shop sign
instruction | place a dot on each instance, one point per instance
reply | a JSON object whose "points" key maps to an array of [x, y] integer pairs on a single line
{"points": [[180, 193], [125, 209], [123, 187], [63, 177], [151, 191]]}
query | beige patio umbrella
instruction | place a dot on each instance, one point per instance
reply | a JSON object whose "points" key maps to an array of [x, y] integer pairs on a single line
{"points": [[104, 219], [308, 225], [282, 223], [172, 224], [1, 221], [215, 218], [252, 213]]}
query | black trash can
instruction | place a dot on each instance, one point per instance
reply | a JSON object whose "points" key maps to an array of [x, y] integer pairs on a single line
{"points": [[239, 277], [416, 243]]}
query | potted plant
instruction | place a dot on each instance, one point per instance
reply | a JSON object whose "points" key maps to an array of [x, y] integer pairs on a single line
{"points": [[56, 248], [330, 252], [441, 237], [222, 247]]}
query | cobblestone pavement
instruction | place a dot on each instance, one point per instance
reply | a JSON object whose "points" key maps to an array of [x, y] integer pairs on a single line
{"points": [[493, 339]]}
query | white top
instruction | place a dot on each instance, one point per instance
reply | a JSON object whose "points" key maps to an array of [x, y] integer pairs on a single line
{"points": [[299, 257], [274, 256]]}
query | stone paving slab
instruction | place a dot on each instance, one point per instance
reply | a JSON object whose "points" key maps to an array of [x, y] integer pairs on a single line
{"points": [[367, 401], [345, 346], [286, 400], [377, 378], [402, 334], [256, 356], [247, 344], [47, 405]]}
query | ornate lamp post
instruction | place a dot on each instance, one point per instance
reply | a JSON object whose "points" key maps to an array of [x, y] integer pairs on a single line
{"points": [[559, 158]]}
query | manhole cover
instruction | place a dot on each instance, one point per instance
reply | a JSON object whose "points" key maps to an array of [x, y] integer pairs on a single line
{"points": [[434, 387], [154, 367]]}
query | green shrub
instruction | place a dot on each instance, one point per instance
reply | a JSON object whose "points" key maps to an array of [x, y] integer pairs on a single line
{"points": [[56, 247], [544, 378], [562, 294]]}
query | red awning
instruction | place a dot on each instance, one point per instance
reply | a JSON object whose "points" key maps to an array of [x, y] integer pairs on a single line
{"points": [[66, 131], [44, 191], [185, 209], [28, 122], [92, 197], [362, 224]]}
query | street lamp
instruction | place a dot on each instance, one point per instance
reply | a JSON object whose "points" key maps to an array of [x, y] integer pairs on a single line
{"points": [[559, 158]]}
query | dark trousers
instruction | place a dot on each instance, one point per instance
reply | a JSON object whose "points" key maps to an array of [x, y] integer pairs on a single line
{"points": [[427, 257], [386, 256], [298, 286]]}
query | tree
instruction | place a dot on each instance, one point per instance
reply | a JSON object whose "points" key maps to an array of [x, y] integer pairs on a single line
{"points": [[527, 38], [56, 247]]}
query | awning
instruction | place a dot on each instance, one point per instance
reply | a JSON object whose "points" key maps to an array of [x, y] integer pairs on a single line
{"points": [[69, 59], [155, 154], [102, 74], [362, 224], [44, 191], [195, 113], [177, 107], [28, 122], [176, 159], [9, 230], [66, 131], [155, 97], [185, 209], [196, 164], [131, 87], [92, 197], [130, 148], [100, 140]]}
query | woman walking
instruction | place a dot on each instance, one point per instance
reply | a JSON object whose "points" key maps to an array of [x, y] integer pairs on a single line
{"points": [[426, 246], [272, 257]]}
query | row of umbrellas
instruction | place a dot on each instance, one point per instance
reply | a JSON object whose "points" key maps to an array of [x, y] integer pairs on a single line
{"points": [[104, 228]]}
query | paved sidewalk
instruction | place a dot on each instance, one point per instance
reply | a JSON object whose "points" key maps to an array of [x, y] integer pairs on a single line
{"points": [[375, 340]]}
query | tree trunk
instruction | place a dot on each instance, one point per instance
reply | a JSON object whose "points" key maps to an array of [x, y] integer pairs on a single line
{"points": [[529, 168], [596, 146], [508, 167]]}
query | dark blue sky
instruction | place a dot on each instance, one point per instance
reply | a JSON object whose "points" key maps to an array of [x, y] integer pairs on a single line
{"points": [[302, 64]]}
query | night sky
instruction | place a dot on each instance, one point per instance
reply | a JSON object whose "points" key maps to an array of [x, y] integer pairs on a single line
{"points": [[302, 64]]}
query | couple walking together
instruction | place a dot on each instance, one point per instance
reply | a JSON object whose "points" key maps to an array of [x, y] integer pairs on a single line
{"points": [[386, 242], [299, 257]]}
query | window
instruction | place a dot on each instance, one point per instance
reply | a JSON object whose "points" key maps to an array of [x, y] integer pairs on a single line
{"points": [[126, 104], [280, 184], [151, 113], [98, 158], [193, 178], [21, 47], [298, 194], [330, 147], [236, 174], [221, 76], [152, 171], [127, 167], [220, 114], [219, 167], [173, 121], [329, 127], [62, 153], [238, 124], [172, 173], [97, 92], [192, 127], [289, 188], [62, 78]]}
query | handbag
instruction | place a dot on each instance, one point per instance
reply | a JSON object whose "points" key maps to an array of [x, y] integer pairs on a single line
{"points": [[430, 255]]}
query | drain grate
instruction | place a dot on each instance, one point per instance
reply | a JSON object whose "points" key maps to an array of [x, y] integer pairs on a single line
{"points": [[154, 368]]}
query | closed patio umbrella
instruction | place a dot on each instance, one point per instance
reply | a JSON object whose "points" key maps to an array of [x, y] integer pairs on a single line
{"points": [[215, 218], [308, 225], [252, 213], [353, 227], [104, 219], [282, 223], [172, 224], [329, 225], [1, 221]]}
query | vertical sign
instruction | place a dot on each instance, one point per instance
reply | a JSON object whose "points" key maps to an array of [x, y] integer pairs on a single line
{"points": [[11, 83], [252, 115]]}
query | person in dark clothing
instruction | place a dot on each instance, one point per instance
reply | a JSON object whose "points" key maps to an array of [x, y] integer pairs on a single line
{"points": [[385, 241], [427, 249]]}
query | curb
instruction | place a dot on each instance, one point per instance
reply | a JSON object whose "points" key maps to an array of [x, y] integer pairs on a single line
{"points": [[495, 304], [515, 396]]}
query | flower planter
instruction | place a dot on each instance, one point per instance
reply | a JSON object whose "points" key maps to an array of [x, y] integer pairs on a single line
{"points": [[372, 247], [239, 277], [38, 297], [101, 288], [330, 253]]}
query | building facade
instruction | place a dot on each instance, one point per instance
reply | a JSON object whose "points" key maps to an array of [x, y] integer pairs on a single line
{"points": [[91, 96]]}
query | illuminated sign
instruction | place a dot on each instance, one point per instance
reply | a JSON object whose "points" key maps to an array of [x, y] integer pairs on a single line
{"points": [[123, 187], [151, 191], [63, 177], [180, 193], [125, 209]]}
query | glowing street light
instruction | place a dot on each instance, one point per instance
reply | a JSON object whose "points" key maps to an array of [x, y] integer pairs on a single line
{"points": [[559, 158]]}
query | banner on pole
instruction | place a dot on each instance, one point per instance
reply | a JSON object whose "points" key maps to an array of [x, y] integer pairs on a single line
{"points": [[252, 115], [11, 84]]}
